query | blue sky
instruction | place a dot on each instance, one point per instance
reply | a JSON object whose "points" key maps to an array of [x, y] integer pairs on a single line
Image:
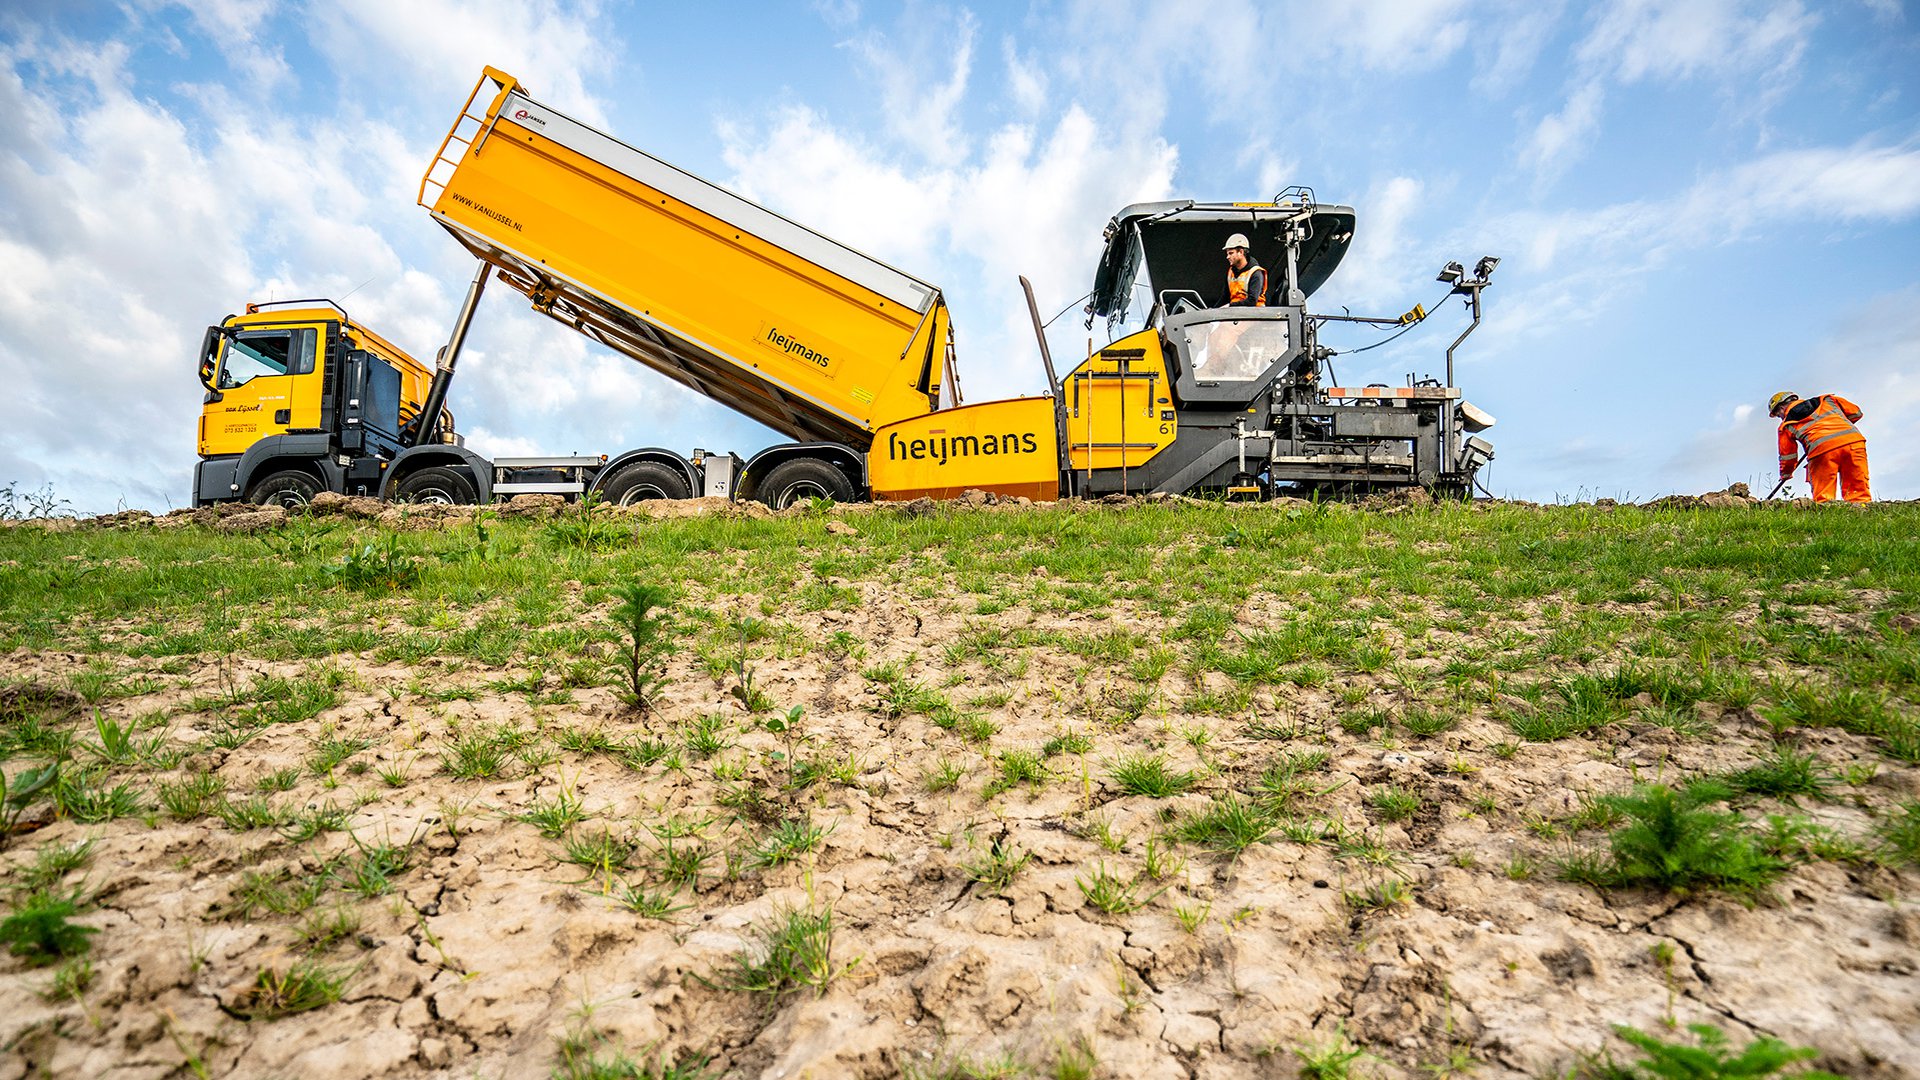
{"points": [[1696, 203]]}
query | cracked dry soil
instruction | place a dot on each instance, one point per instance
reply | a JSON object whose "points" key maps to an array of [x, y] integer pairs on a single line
{"points": [[490, 948]]}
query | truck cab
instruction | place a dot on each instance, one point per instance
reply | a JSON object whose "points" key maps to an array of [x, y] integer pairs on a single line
{"points": [[301, 399]]}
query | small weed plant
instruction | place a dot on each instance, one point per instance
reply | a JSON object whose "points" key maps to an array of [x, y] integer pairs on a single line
{"points": [[20, 792], [1228, 826], [1707, 1057], [996, 868], [377, 564], [643, 616], [1678, 842], [302, 987], [793, 951], [1149, 774], [41, 930], [1111, 894]]}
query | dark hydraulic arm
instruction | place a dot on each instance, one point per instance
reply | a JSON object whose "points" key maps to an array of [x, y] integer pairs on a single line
{"points": [[445, 360]]}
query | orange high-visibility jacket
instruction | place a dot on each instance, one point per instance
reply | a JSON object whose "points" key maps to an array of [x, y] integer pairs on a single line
{"points": [[1248, 288], [1819, 425]]}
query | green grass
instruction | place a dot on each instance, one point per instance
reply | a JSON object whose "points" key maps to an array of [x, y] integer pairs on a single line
{"points": [[945, 775], [600, 852], [1383, 895], [648, 903], [302, 987], [1707, 1056], [370, 870], [51, 865], [553, 817], [276, 892], [1675, 841], [1334, 1059], [1783, 773], [792, 951], [1017, 767], [789, 841], [85, 796], [1111, 894], [255, 813], [1149, 774], [587, 1054], [1900, 832], [995, 868], [1228, 826], [1394, 803], [41, 929]]}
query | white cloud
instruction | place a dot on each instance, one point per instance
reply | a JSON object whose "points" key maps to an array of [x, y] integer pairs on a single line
{"points": [[233, 27], [137, 228], [1391, 35], [1026, 79], [1861, 183], [1563, 136], [1677, 39], [1511, 45], [438, 47], [1272, 170], [1375, 271], [840, 185], [1673, 40], [922, 70], [1243, 60], [1857, 183]]}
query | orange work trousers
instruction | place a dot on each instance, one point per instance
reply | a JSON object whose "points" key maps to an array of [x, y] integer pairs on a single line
{"points": [[1845, 464]]}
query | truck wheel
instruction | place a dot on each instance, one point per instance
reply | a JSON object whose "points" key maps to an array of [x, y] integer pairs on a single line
{"points": [[439, 484], [803, 478], [644, 480], [287, 488]]}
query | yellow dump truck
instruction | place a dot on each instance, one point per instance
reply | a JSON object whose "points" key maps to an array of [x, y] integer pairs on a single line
{"points": [[849, 358]]}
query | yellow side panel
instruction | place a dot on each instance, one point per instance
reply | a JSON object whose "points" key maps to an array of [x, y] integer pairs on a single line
{"points": [[1006, 447], [414, 376], [1120, 405], [769, 312]]}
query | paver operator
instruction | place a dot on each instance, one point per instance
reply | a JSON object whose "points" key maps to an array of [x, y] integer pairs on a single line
{"points": [[1246, 280], [1820, 430]]}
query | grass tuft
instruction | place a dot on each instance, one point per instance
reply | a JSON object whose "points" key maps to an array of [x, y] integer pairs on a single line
{"points": [[1228, 826], [1149, 774], [1674, 841]]}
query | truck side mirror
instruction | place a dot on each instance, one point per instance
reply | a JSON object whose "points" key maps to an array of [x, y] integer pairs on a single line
{"points": [[209, 348]]}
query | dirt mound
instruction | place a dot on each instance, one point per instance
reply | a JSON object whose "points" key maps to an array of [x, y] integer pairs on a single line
{"points": [[1734, 496]]}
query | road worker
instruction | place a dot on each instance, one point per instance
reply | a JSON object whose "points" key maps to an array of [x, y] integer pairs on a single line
{"points": [[1246, 281], [1820, 431], [1222, 358]]}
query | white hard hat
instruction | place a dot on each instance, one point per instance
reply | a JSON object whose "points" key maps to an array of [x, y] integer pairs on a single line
{"points": [[1237, 240]]}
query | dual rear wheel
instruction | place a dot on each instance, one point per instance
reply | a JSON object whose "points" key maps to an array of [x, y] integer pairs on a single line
{"points": [[788, 483]]}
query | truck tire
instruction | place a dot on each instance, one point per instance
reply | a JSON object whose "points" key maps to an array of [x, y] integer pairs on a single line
{"points": [[288, 487], [438, 484], [644, 480], [803, 478]]}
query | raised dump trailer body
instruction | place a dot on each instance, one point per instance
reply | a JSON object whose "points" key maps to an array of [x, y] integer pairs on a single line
{"points": [[796, 330]]}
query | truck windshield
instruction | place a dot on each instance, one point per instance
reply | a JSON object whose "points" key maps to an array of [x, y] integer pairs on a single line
{"points": [[1234, 349], [256, 353]]}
